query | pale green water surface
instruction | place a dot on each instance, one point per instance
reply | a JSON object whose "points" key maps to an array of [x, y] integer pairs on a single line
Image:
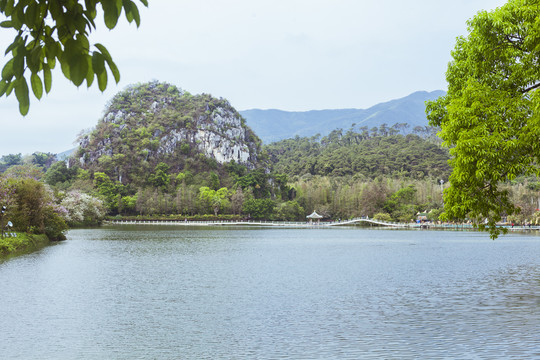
{"points": [[238, 293]]}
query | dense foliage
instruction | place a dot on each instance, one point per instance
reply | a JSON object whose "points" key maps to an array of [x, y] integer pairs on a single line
{"points": [[31, 208], [380, 152], [49, 31], [489, 118]]}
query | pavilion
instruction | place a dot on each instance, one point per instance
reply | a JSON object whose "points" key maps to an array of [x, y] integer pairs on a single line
{"points": [[314, 215]]}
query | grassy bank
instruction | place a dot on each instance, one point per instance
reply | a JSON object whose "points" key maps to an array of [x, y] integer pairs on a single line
{"points": [[21, 244]]}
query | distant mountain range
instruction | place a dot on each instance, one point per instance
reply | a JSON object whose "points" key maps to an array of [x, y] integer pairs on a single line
{"points": [[274, 125]]}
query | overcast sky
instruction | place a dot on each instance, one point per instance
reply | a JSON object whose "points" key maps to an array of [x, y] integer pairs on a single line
{"points": [[281, 54]]}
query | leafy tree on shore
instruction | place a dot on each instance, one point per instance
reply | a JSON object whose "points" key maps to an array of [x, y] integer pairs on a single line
{"points": [[214, 199], [34, 210], [259, 208], [489, 117]]}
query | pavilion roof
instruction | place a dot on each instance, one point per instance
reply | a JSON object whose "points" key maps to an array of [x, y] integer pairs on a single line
{"points": [[314, 215]]}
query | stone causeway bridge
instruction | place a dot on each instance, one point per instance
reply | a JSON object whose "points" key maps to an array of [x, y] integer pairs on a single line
{"points": [[290, 224], [307, 224]]}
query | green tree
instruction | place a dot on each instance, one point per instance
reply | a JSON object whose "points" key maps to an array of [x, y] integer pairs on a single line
{"points": [[60, 173], [128, 204], [400, 204], [9, 160], [24, 171], [214, 181], [215, 199], [33, 210], [382, 217], [48, 31], [259, 208], [291, 211], [160, 177], [44, 160], [489, 117], [108, 190]]}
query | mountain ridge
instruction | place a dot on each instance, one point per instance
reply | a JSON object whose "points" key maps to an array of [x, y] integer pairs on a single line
{"points": [[273, 124]]}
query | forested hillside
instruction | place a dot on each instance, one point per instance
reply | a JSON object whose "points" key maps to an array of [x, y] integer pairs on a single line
{"points": [[361, 153]]}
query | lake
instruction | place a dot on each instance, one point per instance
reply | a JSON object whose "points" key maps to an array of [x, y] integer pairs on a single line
{"points": [[150, 292]]}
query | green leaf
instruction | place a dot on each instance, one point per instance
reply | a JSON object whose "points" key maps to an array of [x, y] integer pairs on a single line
{"points": [[47, 77], [78, 69], [127, 9], [51, 49], [136, 15], [3, 87], [13, 45], [7, 71], [37, 85], [64, 65], [17, 17], [6, 24], [10, 87], [82, 41], [90, 72], [34, 59], [18, 66], [102, 80], [114, 70], [109, 61], [110, 13], [98, 62], [21, 92], [103, 50], [31, 13], [9, 7], [98, 65], [132, 12]]}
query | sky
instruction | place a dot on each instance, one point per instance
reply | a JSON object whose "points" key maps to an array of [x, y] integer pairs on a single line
{"points": [[294, 55]]}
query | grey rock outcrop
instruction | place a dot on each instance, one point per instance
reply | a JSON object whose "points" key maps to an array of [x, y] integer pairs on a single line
{"points": [[158, 122]]}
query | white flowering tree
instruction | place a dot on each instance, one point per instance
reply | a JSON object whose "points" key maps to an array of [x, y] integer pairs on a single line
{"points": [[83, 209]]}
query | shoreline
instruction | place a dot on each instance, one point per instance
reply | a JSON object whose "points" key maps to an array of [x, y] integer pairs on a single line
{"points": [[22, 244]]}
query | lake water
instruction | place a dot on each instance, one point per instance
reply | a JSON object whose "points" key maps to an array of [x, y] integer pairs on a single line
{"points": [[258, 293]]}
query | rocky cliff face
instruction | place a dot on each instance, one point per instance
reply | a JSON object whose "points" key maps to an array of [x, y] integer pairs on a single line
{"points": [[151, 123]]}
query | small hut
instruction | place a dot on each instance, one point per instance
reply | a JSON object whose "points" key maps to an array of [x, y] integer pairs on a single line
{"points": [[422, 216], [314, 215]]}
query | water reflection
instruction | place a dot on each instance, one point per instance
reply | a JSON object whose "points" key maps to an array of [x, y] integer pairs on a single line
{"points": [[164, 293]]}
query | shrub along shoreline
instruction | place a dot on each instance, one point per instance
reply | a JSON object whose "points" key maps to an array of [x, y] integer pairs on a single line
{"points": [[23, 243]]}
